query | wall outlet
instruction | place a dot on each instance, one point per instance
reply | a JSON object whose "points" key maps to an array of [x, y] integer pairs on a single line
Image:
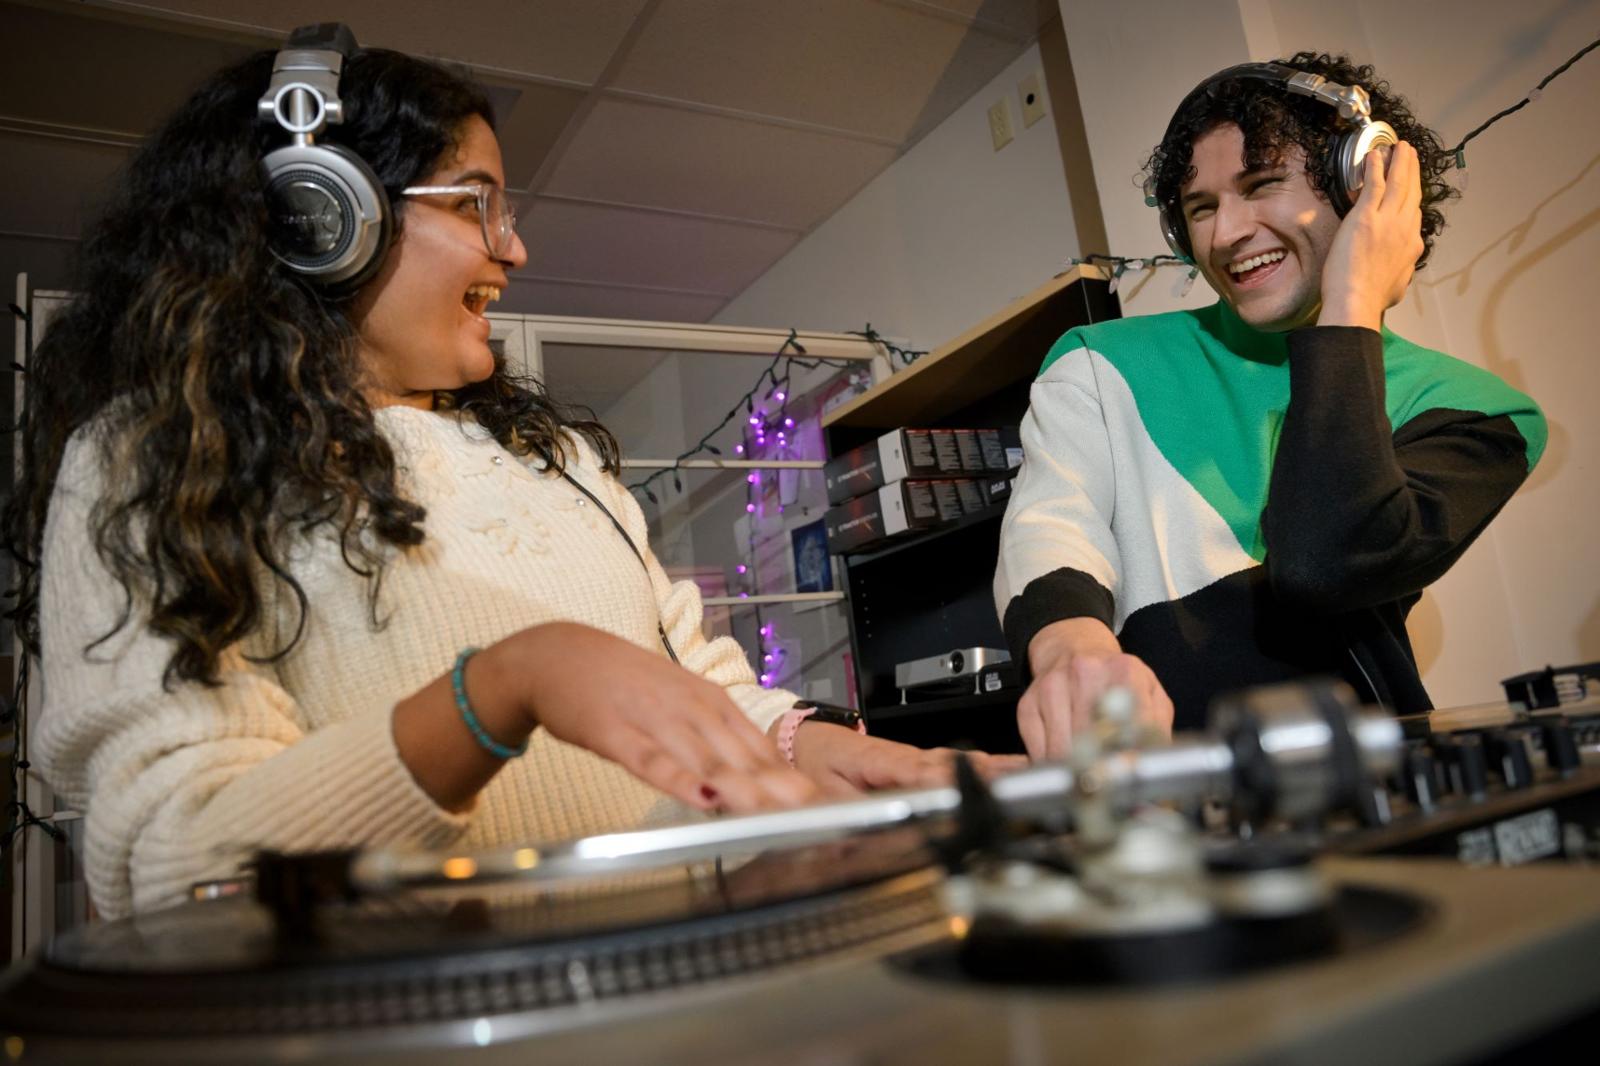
{"points": [[1000, 123], [1030, 91]]}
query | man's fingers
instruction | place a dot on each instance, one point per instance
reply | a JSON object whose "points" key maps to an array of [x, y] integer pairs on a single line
{"points": [[1409, 178], [1056, 697], [1373, 181], [1030, 723]]}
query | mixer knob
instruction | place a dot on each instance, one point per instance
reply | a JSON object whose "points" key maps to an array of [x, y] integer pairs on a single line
{"points": [[1467, 765], [1560, 746], [1508, 749], [1421, 773]]}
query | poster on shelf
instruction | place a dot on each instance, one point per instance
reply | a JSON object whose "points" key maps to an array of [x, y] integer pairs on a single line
{"points": [[813, 567]]}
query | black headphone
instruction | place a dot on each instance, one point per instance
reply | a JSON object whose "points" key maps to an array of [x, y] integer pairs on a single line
{"points": [[1346, 152], [328, 213]]}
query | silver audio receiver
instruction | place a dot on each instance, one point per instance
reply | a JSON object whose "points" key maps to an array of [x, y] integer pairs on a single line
{"points": [[962, 662]]}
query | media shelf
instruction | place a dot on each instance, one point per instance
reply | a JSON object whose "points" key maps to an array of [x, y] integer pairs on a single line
{"points": [[927, 593]]}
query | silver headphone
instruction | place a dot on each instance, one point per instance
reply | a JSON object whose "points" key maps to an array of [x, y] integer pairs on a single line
{"points": [[328, 213], [1343, 175]]}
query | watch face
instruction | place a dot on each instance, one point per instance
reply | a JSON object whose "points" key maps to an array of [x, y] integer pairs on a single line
{"points": [[830, 712]]}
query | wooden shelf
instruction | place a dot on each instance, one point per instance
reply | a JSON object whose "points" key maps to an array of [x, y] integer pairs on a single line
{"points": [[1005, 347]]}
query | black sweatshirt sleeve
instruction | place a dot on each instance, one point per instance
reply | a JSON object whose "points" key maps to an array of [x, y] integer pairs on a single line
{"points": [[1358, 514]]}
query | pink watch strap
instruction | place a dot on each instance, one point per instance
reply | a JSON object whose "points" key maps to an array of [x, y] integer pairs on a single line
{"points": [[790, 725]]}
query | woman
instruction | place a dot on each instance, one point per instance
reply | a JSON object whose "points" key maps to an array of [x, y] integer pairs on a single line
{"points": [[263, 526]]}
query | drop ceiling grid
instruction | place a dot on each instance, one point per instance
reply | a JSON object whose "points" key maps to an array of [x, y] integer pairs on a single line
{"points": [[635, 153], [608, 245], [870, 68], [566, 40], [684, 145]]}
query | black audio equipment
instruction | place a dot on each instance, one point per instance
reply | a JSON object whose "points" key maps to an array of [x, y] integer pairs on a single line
{"points": [[1306, 881]]}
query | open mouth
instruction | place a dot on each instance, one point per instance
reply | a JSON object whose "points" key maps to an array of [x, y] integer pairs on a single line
{"points": [[479, 297], [1245, 271]]}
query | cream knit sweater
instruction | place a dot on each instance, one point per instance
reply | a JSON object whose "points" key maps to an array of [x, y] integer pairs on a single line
{"points": [[181, 786]]}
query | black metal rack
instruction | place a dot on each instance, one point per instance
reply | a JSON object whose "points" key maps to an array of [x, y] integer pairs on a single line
{"points": [[929, 592]]}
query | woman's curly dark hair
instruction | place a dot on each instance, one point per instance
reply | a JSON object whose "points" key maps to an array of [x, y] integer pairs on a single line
{"points": [[1274, 120], [224, 391]]}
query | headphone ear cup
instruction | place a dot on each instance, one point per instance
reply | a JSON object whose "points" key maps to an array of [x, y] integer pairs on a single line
{"points": [[1347, 155], [327, 213], [1176, 234]]}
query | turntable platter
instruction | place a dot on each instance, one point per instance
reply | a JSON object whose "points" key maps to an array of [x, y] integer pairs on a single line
{"points": [[429, 963]]}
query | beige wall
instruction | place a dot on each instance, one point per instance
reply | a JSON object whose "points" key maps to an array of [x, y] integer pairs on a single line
{"points": [[951, 231], [1511, 286]]}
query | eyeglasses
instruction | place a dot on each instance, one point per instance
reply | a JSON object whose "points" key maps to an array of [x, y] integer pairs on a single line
{"points": [[496, 216]]}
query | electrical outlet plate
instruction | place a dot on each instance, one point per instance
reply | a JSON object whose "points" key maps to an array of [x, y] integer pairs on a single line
{"points": [[1000, 123], [1030, 91]]}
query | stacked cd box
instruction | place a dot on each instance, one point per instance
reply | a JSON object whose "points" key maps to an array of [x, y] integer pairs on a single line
{"points": [[915, 479]]}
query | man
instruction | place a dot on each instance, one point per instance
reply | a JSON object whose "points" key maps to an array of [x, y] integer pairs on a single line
{"points": [[1259, 490]]}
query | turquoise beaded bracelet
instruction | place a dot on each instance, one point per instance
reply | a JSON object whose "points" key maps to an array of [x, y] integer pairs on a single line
{"points": [[458, 684]]}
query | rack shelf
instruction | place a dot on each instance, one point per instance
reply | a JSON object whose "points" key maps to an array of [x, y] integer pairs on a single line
{"points": [[925, 594], [1003, 348]]}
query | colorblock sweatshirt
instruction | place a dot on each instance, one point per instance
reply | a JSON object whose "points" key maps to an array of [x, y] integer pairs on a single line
{"points": [[1244, 508]]}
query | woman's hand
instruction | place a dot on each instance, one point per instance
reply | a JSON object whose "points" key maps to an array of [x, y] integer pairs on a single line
{"points": [[666, 726], [843, 762], [1376, 248]]}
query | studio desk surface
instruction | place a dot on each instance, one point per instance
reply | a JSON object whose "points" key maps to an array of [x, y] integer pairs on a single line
{"points": [[1502, 953]]}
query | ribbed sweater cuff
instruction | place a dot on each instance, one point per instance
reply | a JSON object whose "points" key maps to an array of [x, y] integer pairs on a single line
{"points": [[363, 793]]}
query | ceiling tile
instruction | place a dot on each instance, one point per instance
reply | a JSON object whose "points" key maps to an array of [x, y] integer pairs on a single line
{"points": [[52, 187], [530, 126], [872, 68], [530, 297], [566, 39], [1022, 18], [643, 248], [91, 73], [629, 152]]}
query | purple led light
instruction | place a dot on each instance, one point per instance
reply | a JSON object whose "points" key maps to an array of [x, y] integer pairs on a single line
{"points": [[752, 478], [789, 422], [778, 396], [754, 421], [742, 568], [750, 508], [738, 449]]}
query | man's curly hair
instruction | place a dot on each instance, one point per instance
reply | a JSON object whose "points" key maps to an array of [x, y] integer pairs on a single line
{"points": [[1274, 121]]}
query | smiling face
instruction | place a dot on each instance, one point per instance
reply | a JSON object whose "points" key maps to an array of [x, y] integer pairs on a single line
{"points": [[420, 321], [1260, 237]]}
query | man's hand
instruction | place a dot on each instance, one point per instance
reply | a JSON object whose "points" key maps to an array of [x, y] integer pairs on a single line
{"points": [[1375, 251], [1074, 662]]}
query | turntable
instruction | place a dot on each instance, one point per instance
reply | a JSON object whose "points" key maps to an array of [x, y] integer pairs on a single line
{"points": [[1289, 885]]}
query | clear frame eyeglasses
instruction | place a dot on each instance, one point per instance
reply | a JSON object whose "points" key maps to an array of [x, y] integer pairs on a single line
{"points": [[497, 217]]}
